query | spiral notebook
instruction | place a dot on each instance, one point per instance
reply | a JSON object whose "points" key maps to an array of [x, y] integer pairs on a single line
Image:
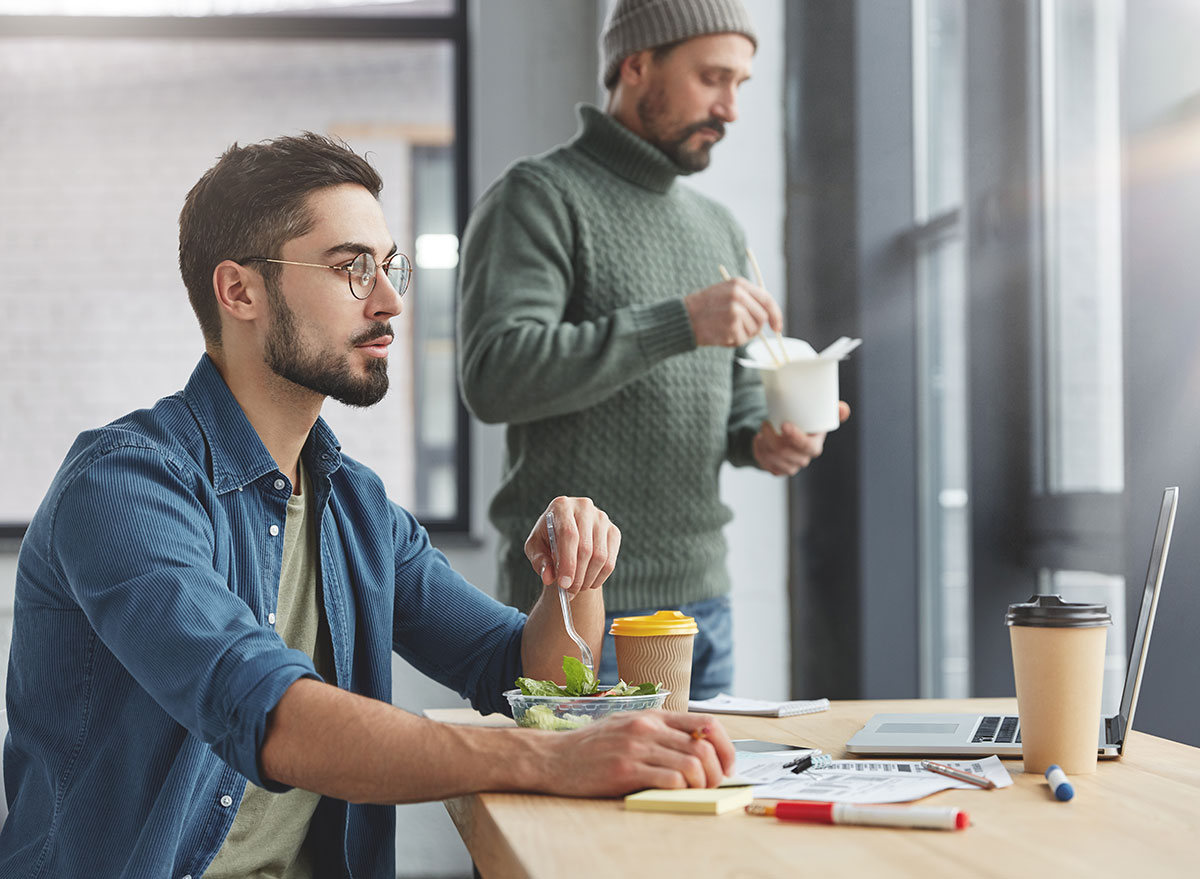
{"points": [[723, 703]]}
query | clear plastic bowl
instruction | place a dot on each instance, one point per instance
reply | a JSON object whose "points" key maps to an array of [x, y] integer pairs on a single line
{"points": [[572, 712]]}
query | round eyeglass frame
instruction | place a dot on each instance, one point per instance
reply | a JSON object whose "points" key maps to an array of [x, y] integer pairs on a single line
{"points": [[362, 269]]}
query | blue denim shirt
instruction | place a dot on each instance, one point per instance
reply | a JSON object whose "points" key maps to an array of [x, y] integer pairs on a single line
{"points": [[144, 661]]}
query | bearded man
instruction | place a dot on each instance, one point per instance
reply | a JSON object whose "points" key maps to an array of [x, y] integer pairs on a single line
{"points": [[209, 596], [589, 324]]}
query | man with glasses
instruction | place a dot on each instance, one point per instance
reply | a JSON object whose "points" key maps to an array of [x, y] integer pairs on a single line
{"points": [[208, 597], [593, 322]]}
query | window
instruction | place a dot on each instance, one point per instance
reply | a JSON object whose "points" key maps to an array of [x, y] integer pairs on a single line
{"points": [[958, 195], [1079, 454], [941, 296], [109, 121], [1075, 407], [1082, 423], [196, 8]]}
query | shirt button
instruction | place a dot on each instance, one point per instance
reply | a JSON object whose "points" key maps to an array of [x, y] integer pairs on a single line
{"points": [[271, 618], [274, 529], [188, 876], [226, 801], [279, 484]]}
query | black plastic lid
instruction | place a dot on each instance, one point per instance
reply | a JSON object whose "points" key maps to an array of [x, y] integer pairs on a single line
{"points": [[1051, 612]]}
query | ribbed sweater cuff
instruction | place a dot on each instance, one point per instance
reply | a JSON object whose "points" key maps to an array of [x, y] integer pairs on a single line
{"points": [[741, 448], [664, 329]]}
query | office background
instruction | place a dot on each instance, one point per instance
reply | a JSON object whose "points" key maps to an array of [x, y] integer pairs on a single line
{"points": [[1000, 197]]}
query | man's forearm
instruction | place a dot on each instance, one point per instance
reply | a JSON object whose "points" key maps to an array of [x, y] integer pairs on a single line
{"points": [[576, 365], [545, 642], [346, 746], [336, 743]]}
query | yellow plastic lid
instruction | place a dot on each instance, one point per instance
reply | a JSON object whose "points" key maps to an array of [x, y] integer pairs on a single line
{"points": [[664, 622]]}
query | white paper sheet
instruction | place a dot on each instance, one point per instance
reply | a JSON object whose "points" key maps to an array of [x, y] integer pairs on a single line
{"points": [[723, 703], [858, 781]]}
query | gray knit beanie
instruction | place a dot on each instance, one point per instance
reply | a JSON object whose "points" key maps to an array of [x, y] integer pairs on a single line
{"points": [[634, 25]]}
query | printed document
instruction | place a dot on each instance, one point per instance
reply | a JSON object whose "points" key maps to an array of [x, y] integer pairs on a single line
{"points": [[857, 781]]}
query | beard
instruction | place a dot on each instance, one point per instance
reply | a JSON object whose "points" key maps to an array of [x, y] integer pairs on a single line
{"points": [[324, 372], [652, 111]]}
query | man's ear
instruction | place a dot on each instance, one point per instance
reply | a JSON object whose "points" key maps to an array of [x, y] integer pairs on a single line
{"points": [[634, 68], [240, 292]]}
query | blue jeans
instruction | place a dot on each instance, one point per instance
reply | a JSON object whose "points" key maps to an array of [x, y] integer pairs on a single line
{"points": [[712, 651]]}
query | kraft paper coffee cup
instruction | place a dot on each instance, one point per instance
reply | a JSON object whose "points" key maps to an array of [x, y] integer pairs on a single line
{"points": [[1058, 664], [657, 649]]}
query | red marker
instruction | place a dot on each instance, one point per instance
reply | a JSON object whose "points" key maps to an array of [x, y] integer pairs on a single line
{"points": [[927, 817]]}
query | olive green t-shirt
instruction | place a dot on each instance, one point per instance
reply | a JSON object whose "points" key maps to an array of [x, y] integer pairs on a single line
{"points": [[267, 839]]}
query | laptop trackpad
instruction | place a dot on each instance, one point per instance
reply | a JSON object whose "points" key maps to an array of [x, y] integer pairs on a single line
{"points": [[916, 728]]}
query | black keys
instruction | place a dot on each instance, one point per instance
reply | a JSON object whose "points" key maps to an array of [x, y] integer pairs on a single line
{"points": [[998, 729]]}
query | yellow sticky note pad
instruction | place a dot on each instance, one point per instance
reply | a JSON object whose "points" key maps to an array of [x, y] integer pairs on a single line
{"points": [[703, 800]]}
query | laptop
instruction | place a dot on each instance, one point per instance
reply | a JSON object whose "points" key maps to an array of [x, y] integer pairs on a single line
{"points": [[986, 734]]}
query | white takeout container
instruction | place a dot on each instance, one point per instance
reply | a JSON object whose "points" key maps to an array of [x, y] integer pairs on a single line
{"points": [[803, 389]]}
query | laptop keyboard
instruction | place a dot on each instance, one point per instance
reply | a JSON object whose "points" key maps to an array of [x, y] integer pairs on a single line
{"points": [[998, 729]]}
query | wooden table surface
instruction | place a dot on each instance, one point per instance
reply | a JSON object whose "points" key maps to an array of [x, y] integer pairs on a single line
{"points": [[1137, 817]]}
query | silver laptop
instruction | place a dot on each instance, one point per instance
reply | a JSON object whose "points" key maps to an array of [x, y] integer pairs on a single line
{"points": [[985, 734]]}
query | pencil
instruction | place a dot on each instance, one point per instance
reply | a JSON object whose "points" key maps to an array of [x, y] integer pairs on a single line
{"points": [[958, 774]]}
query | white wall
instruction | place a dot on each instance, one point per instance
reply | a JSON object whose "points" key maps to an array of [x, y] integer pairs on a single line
{"points": [[747, 175]]}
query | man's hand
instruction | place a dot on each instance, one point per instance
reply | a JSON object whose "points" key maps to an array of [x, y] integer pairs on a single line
{"points": [[731, 313], [588, 543], [788, 452], [631, 751]]}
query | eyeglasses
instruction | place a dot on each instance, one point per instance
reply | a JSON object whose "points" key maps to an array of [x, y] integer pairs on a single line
{"points": [[361, 273]]}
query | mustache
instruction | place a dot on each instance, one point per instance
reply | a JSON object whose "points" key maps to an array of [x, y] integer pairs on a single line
{"points": [[377, 330], [715, 124]]}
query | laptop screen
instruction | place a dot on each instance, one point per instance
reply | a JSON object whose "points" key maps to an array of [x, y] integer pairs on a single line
{"points": [[1145, 620]]}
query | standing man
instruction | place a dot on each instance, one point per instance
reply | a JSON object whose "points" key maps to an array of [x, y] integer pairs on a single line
{"points": [[209, 596], [590, 324]]}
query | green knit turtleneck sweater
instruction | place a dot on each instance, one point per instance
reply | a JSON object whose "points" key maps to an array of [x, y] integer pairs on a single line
{"points": [[573, 332]]}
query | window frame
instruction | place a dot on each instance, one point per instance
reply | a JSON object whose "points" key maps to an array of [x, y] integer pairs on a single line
{"points": [[452, 28], [857, 533]]}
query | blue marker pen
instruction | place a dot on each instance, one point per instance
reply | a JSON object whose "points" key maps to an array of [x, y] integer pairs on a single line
{"points": [[1059, 783]]}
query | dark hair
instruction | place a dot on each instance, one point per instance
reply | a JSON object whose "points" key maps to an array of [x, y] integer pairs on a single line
{"points": [[658, 53], [253, 201]]}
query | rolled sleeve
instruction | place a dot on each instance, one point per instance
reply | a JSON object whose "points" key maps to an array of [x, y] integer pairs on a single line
{"points": [[447, 628]]}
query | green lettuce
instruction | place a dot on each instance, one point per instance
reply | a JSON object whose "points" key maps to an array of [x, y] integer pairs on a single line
{"points": [[530, 687], [581, 681]]}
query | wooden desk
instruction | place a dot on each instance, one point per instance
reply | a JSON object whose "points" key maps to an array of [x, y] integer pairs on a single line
{"points": [[1137, 817]]}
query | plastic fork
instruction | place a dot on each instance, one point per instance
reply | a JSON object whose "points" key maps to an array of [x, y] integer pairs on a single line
{"points": [[585, 652]]}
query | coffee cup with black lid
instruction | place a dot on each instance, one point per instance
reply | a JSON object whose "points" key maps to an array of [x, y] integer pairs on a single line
{"points": [[1058, 663]]}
